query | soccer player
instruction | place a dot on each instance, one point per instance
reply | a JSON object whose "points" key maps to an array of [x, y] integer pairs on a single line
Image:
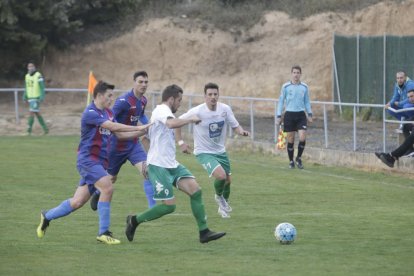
{"points": [[209, 142], [296, 96], [128, 109], [165, 172], [97, 126], [34, 93]]}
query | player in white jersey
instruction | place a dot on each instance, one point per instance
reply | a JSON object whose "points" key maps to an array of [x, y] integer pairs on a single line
{"points": [[165, 172], [209, 142]]}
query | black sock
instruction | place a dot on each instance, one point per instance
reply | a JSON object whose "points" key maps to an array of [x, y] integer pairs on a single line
{"points": [[290, 151], [301, 147]]}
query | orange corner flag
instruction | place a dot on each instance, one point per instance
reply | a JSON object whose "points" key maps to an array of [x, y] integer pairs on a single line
{"points": [[281, 139], [92, 82], [91, 85]]}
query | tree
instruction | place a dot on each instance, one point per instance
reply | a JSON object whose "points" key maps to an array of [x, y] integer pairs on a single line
{"points": [[27, 27]]}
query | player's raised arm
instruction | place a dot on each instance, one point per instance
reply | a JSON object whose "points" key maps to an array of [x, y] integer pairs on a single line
{"points": [[176, 122], [117, 127], [139, 131]]}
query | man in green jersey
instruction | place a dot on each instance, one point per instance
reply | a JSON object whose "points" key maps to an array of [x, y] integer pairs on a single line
{"points": [[209, 142], [165, 172]]}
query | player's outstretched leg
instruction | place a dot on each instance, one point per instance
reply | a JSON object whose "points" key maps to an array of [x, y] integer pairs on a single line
{"points": [[43, 225], [150, 214]]}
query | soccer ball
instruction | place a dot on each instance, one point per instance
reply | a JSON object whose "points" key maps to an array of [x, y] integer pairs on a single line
{"points": [[285, 233]]}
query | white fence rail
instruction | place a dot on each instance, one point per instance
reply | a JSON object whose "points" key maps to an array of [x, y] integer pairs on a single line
{"points": [[258, 114]]}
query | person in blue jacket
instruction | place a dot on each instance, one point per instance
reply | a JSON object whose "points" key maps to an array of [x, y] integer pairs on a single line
{"points": [[399, 99]]}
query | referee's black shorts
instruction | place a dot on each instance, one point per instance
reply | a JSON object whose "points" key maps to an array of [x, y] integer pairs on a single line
{"points": [[293, 121]]}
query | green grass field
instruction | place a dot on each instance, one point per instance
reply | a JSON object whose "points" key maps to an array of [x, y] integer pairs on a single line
{"points": [[349, 222]]}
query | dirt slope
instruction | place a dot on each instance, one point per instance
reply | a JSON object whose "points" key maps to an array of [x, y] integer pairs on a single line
{"points": [[254, 63]]}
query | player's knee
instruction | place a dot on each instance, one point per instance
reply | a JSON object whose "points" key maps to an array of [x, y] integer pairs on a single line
{"points": [[168, 208], [196, 193], [220, 174], [107, 189], [76, 203], [113, 178]]}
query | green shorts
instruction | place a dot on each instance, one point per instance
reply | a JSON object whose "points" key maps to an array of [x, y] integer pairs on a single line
{"points": [[34, 105], [163, 180], [211, 161]]}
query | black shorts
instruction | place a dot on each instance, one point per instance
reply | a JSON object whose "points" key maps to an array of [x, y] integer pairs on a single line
{"points": [[294, 121]]}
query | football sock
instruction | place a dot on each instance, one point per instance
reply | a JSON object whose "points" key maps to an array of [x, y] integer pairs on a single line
{"points": [[155, 212], [104, 211], [42, 122], [30, 122], [301, 147], [219, 186], [197, 207], [290, 151], [226, 191], [63, 209], [149, 192]]}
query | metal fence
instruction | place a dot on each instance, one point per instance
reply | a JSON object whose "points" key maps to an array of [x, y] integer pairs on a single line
{"points": [[348, 131]]}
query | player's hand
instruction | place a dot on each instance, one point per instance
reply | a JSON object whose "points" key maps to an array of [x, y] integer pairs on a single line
{"points": [[144, 127], [387, 105], [310, 120], [195, 119], [244, 133], [277, 121], [185, 148]]}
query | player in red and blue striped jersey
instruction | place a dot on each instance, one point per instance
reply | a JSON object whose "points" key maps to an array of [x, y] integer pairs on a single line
{"points": [[97, 126], [129, 109]]}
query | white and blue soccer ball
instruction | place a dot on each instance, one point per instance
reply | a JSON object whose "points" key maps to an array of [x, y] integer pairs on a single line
{"points": [[285, 233]]}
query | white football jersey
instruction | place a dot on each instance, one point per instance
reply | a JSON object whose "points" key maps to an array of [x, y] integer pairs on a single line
{"points": [[210, 133], [162, 140]]}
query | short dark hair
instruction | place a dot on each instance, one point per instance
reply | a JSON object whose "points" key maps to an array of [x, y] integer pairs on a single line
{"points": [[140, 73], [296, 67], [171, 91], [101, 87], [210, 85]]}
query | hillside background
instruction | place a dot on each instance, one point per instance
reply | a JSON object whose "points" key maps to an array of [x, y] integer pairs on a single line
{"points": [[248, 50]]}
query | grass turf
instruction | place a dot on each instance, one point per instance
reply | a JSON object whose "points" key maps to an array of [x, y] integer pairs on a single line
{"points": [[349, 222]]}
